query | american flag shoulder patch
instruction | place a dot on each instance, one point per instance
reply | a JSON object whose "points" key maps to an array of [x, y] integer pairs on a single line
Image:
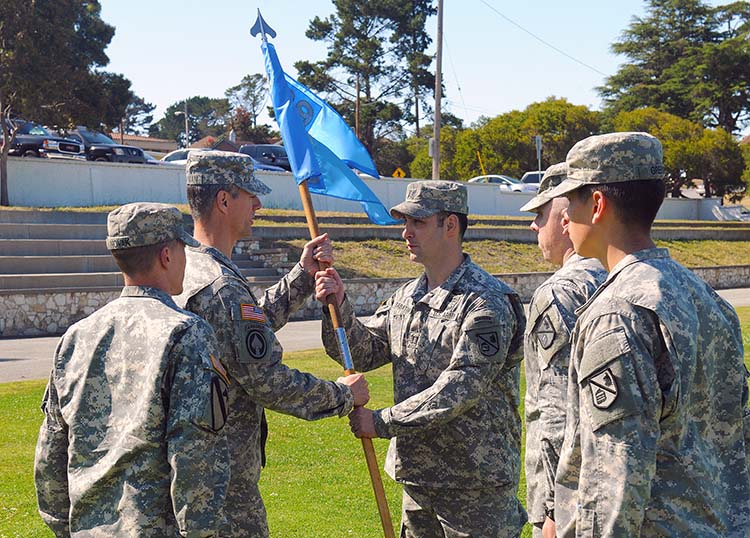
{"points": [[252, 313]]}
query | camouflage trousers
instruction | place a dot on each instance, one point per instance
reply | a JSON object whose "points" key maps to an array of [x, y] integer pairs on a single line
{"points": [[245, 517], [461, 513]]}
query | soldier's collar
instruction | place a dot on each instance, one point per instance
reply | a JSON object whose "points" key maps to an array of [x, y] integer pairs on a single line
{"points": [[630, 259], [222, 259], [437, 298], [148, 292]]}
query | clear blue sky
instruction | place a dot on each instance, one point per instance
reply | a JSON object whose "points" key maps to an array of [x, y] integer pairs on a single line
{"points": [[173, 49]]}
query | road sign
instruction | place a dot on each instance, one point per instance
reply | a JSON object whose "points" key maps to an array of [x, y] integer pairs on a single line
{"points": [[398, 172]]}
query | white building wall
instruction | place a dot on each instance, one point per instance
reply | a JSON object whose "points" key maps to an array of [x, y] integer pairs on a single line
{"points": [[61, 183]]}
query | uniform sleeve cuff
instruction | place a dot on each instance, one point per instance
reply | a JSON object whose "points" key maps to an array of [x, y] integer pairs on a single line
{"points": [[348, 399], [382, 420]]}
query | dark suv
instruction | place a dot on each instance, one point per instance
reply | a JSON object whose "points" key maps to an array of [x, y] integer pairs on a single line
{"points": [[33, 140], [267, 154], [100, 147]]}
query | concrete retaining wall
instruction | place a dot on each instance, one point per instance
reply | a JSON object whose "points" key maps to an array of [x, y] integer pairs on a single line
{"points": [[60, 183], [51, 312]]}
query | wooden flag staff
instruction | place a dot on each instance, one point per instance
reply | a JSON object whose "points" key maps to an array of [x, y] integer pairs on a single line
{"points": [[333, 309]]}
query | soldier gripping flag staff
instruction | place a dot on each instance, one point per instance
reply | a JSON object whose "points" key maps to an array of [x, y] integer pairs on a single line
{"points": [[321, 149]]}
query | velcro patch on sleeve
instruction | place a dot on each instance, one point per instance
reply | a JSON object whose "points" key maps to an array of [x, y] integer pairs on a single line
{"points": [[219, 403], [607, 379], [251, 312], [552, 336]]}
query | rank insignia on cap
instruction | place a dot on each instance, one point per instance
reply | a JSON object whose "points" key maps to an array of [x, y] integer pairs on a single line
{"points": [[545, 333], [603, 389], [252, 313], [488, 342]]}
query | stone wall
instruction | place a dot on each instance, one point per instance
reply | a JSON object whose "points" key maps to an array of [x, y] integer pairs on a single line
{"points": [[51, 312], [48, 312]]}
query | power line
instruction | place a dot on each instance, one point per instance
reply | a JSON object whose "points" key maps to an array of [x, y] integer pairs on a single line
{"points": [[453, 68], [546, 43]]}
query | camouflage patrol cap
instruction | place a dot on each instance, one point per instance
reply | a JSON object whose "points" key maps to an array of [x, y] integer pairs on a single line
{"points": [[425, 198], [553, 176], [224, 168], [612, 158], [142, 224]]}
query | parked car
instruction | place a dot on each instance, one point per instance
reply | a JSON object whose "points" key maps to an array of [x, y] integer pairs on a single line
{"points": [[100, 147], [268, 154], [33, 140], [506, 183], [180, 156], [533, 178]]}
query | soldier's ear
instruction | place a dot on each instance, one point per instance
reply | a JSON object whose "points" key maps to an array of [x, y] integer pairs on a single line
{"points": [[221, 200], [599, 207]]}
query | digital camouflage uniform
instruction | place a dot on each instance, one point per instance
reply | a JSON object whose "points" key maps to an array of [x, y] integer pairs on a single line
{"points": [[546, 353], [655, 443], [215, 289], [454, 429], [132, 441]]}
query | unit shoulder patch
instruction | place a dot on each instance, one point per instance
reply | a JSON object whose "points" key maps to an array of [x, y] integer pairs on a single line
{"points": [[604, 390]]}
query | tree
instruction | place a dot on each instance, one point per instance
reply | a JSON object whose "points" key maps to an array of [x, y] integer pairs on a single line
{"points": [[250, 95], [690, 151], [206, 117], [411, 41], [506, 145], [242, 123], [354, 74], [48, 52], [686, 58], [138, 116], [376, 69]]}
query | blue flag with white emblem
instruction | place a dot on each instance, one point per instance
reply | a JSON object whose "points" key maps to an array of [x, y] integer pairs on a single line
{"points": [[320, 145]]}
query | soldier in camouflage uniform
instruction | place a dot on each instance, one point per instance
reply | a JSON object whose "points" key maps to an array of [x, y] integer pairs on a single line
{"points": [[132, 442], [223, 195], [547, 344], [656, 431], [454, 337]]}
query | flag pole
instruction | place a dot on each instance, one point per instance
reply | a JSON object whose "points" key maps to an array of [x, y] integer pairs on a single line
{"points": [[338, 326], [262, 28]]}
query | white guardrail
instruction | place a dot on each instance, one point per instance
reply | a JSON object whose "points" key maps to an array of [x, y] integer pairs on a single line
{"points": [[60, 183]]}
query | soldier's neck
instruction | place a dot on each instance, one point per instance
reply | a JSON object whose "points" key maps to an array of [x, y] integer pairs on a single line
{"points": [[217, 237], [438, 271]]}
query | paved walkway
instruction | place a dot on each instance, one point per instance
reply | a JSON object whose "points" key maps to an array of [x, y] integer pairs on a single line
{"points": [[30, 358]]}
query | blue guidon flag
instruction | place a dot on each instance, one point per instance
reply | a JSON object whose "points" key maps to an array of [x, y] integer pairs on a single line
{"points": [[320, 145]]}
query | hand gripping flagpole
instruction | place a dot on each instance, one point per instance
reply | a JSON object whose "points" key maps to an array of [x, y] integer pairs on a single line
{"points": [[262, 28]]}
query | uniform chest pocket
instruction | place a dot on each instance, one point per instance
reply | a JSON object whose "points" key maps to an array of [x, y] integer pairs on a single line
{"points": [[253, 338], [431, 344]]}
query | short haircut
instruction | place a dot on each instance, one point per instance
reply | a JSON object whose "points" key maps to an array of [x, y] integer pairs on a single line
{"points": [[463, 221], [139, 260], [201, 198], [636, 202]]}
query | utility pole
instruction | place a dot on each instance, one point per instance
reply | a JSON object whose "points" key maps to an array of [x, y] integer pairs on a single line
{"points": [[187, 127], [438, 95]]}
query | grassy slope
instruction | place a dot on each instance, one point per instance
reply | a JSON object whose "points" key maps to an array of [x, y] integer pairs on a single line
{"points": [[315, 485], [388, 258]]}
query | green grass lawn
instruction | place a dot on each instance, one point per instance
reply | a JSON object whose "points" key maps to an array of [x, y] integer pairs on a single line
{"points": [[315, 484]]}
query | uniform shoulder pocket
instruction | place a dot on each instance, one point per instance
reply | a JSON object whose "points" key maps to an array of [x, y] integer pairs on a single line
{"points": [[607, 378], [551, 335], [254, 339]]}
